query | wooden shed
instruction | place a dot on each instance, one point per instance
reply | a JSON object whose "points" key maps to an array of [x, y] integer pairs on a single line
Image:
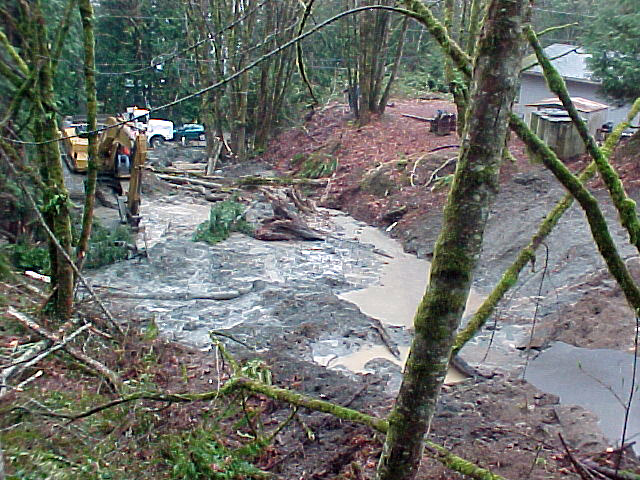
{"points": [[556, 128], [594, 113]]}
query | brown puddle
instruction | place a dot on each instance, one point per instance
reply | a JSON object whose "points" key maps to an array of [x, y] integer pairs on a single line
{"points": [[356, 361], [394, 299]]}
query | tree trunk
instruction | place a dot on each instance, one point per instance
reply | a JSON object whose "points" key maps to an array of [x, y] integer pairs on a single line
{"points": [[56, 199], [396, 63], [86, 14], [475, 20], [460, 240], [206, 76], [2, 473]]}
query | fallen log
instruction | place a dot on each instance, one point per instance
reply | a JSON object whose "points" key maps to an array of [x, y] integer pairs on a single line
{"points": [[181, 171], [184, 296], [286, 229], [385, 337], [610, 472], [253, 181], [181, 180], [285, 224], [418, 117]]}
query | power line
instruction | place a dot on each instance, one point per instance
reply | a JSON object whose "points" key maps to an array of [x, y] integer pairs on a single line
{"points": [[230, 78], [155, 64], [540, 9]]}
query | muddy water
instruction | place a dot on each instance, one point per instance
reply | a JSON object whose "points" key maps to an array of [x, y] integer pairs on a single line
{"points": [[403, 278], [393, 299], [283, 287], [596, 379], [172, 215], [307, 298]]}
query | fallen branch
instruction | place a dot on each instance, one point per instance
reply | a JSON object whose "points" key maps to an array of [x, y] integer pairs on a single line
{"points": [[580, 469], [234, 384], [384, 336], [434, 176], [610, 472], [92, 365], [29, 362], [252, 181], [14, 369]]}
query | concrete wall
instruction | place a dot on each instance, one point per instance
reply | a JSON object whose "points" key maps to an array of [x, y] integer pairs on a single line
{"points": [[533, 88]]}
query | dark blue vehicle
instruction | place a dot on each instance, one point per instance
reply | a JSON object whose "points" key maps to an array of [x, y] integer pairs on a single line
{"points": [[188, 132]]}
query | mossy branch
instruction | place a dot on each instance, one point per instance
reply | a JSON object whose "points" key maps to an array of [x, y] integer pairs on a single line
{"points": [[475, 22], [24, 91], [549, 30], [61, 34], [13, 54], [234, 384], [510, 276], [595, 217], [626, 207]]}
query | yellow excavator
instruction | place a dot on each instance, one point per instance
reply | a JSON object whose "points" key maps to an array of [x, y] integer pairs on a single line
{"points": [[122, 151]]}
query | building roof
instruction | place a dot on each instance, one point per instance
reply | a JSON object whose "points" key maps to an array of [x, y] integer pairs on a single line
{"points": [[581, 104], [569, 60]]}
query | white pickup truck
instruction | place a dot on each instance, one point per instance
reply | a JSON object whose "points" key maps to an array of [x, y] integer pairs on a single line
{"points": [[157, 131]]}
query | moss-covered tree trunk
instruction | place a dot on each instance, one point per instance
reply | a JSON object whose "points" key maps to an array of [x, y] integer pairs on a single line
{"points": [[86, 14], [460, 240], [56, 200]]}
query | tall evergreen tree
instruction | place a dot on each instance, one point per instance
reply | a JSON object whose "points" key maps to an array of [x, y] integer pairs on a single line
{"points": [[613, 39]]}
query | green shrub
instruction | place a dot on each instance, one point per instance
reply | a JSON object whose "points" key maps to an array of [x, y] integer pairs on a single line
{"points": [[107, 246], [25, 256], [318, 165], [197, 455], [224, 218]]}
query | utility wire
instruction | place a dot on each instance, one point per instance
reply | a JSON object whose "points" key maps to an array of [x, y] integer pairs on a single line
{"points": [[230, 78], [171, 56]]}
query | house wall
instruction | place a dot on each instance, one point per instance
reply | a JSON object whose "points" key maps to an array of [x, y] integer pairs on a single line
{"points": [[533, 88]]}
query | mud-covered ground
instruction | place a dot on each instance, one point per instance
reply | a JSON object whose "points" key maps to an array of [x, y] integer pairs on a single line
{"points": [[292, 312], [287, 310], [577, 302]]}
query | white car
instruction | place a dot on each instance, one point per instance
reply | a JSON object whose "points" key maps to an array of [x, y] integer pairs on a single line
{"points": [[157, 131]]}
